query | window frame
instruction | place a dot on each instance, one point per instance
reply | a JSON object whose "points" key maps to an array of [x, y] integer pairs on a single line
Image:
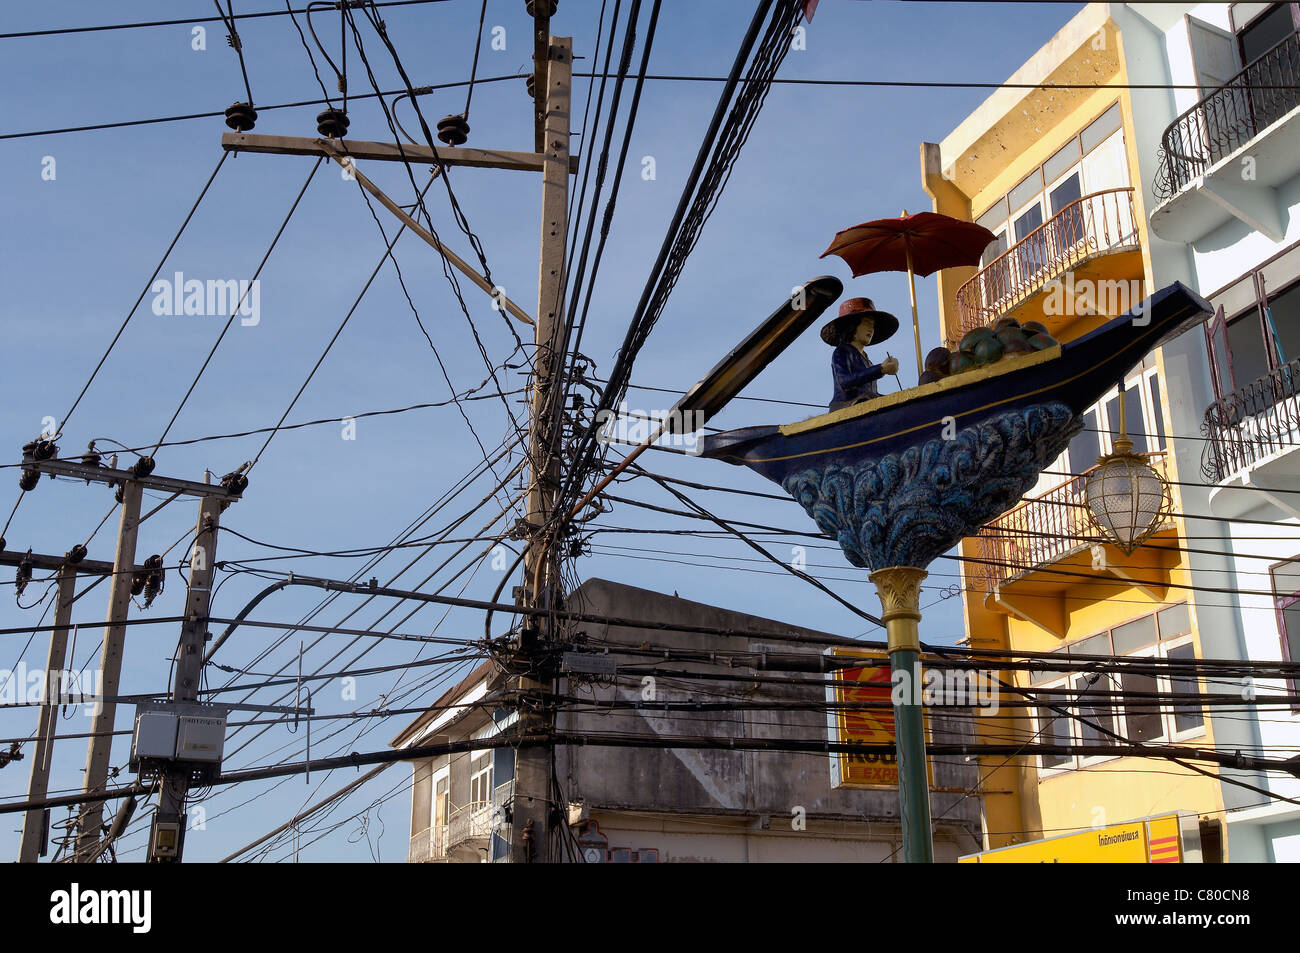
{"points": [[1280, 603], [1167, 713], [475, 775]]}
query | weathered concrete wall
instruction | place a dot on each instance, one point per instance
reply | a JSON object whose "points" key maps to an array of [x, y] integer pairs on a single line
{"points": [[739, 786]]}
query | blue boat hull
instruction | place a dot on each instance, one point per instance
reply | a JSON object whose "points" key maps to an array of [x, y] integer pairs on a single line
{"points": [[1076, 377], [899, 480]]}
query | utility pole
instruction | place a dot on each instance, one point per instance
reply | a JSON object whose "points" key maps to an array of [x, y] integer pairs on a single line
{"points": [[166, 835], [130, 485], [110, 667], [35, 829], [553, 70], [533, 810]]}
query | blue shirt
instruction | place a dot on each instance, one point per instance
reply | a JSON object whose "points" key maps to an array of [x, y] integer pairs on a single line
{"points": [[855, 377]]}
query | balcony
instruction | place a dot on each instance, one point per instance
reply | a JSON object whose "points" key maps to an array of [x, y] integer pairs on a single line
{"points": [[1053, 531], [470, 826], [1249, 438], [1224, 157], [1092, 238], [428, 846]]}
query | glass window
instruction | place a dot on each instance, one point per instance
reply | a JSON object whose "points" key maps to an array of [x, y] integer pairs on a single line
{"points": [[1093, 645], [1100, 128], [1069, 190], [1175, 620], [1055, 730], [994, 217], [1038, 676], [1291, 630], [1093, 709], [1186, 717], [1246, 342], [1029, 187], [1265, 33], [1285, 309], [994, 249], [480, 780], [1054, 167], [1134, 635], [1085, 446], [1158, 415], [1133, 421], [1141, 714]]}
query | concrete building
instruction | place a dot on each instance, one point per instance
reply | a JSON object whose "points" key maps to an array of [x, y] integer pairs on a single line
{"points": [[1061, 165], [1225, 184], [677, 804]]}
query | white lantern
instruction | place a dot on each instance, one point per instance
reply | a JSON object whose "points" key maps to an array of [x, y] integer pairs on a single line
{"points": [[1127, 498]]}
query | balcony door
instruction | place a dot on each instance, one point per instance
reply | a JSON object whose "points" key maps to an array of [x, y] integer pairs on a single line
{"points": [[1272, 57], [1224, 121]]}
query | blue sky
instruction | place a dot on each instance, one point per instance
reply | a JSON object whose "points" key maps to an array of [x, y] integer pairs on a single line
{"points": [[77, 251]]}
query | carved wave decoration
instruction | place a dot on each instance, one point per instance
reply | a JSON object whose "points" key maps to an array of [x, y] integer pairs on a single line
{"points": [[906, 509]]}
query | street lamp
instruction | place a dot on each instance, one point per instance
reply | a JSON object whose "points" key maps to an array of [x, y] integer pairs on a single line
{"points": [[1127, 499]]}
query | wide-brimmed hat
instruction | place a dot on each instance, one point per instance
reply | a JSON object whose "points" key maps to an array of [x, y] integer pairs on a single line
{"points": [[851, 314]]}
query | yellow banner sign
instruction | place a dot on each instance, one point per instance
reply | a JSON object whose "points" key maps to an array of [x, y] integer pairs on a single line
{"points": [[1150, 840]]}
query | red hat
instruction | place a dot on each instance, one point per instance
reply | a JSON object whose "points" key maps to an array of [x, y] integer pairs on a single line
{"points": [[851, 314]]}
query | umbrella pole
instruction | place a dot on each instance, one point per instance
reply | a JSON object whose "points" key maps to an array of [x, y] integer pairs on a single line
{"points": [[916, 321]]}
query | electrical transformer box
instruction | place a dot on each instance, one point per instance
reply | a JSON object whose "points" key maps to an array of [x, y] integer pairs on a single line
{"points": [[200, 738], [155, 736], [188, 733]]}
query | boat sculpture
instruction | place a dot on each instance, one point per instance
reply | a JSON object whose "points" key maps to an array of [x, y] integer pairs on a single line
{"points": [[898, 480]]}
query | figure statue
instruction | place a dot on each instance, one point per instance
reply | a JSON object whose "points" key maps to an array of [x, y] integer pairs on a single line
{"points": [[858, 325]]}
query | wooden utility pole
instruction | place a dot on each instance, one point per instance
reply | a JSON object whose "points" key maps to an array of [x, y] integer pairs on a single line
{"points": [[534, 811], [35, 829], [110, 665], [166, 835]]}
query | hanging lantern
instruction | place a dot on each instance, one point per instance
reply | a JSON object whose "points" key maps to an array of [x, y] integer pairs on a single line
{"points": [[1127, 499]]}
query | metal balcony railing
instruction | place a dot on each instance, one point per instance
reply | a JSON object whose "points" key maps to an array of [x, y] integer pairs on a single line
{"points": [[428, 845], [1040, 530], [471, 822], [1252, 423], [1229, 117], [1094, 223]]}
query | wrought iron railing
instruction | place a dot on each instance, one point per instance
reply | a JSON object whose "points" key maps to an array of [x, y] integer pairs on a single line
{"points": [[1091, 224], [1039, 531], [1229, 117], [428, 845], [470, 822], [1252, 423]]}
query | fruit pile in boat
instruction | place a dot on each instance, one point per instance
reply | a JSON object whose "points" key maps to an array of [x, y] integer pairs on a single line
{"points": [[1007, 339]]}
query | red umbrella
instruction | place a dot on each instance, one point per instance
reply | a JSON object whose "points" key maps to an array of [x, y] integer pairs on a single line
{"points": [[919, 244]]}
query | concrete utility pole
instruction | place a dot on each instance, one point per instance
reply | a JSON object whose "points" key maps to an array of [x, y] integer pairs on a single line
{"points": [[166, 835], [131, 485], [110, 666], [35, 829], [533, 809]]}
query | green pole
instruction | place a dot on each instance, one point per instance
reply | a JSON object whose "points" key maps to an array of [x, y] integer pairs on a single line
{"points": [[900, 591]]}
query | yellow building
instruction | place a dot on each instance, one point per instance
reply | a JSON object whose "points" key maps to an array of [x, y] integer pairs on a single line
{"points": [[1055, 174]]}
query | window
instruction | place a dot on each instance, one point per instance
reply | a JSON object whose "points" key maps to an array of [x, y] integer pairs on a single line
{"points": [[1262, 329], [1286, 599], [480, 777], [1144, 420], [441, 798], [1151, 710], [1084, 165]]}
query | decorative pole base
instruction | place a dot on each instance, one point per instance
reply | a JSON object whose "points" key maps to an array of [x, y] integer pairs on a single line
{"points": [[899, 588]]}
